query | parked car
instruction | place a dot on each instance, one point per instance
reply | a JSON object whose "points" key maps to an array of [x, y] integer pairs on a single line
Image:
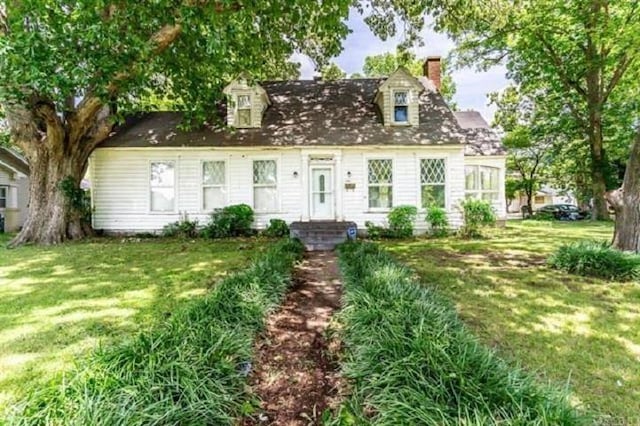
{"points": [[562, 211]]}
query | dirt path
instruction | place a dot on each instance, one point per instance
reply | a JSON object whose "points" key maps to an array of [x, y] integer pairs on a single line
{"points": [[292, 375]]}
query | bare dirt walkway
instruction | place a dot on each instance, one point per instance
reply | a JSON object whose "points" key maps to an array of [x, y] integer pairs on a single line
{"points": [[293, 375]]}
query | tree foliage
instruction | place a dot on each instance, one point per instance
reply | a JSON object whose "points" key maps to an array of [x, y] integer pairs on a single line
{"points": [[581, 53], [528, 148], [332, 72]]}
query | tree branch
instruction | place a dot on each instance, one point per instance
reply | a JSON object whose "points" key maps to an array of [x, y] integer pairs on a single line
{"points": [[83, 118], [564, 78], [621, 68]]}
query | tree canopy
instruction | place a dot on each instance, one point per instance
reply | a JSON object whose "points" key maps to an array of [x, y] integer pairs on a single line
{"points": [[580, 54], [332, 72]]}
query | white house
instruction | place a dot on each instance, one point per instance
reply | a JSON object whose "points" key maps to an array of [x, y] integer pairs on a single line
{"points": [[14, 190], [305, 150]]}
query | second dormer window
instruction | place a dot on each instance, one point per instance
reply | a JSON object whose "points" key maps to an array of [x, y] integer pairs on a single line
{"points": [[401, 106], [244, 110]]}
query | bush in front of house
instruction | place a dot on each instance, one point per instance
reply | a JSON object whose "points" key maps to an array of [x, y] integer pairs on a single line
{"points": [[476, 214], [183, 228], [400, 220], [277, 228], [408, 358], [436, 217], [230, 221], [596, 259], [189, 369]]}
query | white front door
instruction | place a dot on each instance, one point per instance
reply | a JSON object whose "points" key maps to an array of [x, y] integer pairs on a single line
{"points": [[321, 192]]}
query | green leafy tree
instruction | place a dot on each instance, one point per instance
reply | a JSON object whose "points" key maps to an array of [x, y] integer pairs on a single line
{"points": [[385, 64], [356, 75], [528, 150], [581, 51], [71, 69], [332, 72]]}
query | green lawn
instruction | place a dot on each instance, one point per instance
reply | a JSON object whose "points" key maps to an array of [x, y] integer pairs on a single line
{"points": [[568, 329], [58, 302]]}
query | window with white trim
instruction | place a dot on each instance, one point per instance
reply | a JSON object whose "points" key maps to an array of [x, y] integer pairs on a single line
{"points": [[213, 185], [4, 191], [243, 111], [265, 186], [380, 183], [401, 106], [162, 186], [432, 182], [482, 182]]}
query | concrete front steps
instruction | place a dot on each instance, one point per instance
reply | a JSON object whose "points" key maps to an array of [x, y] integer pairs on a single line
{"points": [[321, 235]]}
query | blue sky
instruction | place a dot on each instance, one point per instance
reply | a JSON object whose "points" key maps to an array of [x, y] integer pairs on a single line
{"points": [[473, 87]]}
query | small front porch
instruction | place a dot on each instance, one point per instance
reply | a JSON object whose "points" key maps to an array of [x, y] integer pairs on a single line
{"points": [[322, 235]]}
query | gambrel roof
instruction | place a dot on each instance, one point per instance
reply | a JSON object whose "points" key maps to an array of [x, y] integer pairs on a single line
{"points": [[305, 113]]}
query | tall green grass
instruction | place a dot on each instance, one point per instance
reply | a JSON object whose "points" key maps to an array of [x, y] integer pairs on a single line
{"points": [[409, 359], [188, 370], [596, 259]]}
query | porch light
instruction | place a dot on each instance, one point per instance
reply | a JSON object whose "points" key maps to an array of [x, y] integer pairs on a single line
{"points": [[295, 174]]}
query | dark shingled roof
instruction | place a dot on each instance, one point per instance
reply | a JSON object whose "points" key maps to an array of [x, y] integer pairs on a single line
{"points": [[304, 113], [14, 160], [481, 138]]}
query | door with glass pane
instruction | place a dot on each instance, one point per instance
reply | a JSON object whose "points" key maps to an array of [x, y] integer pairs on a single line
{"points": [[322, 193]]}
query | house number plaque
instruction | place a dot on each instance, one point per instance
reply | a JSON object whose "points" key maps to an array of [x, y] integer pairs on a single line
{"points": [[349, 186]]}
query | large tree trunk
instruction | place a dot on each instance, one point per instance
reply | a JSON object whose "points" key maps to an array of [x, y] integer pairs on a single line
{"points": [[598, 179], [57, 152], [53, 217], [626, 203]]}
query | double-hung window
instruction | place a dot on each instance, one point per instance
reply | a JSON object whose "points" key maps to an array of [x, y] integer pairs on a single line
{"points": [[3, 196], [162, 185], [482, 182], [213, 185], [432, 182], [265, 186], [243, 111], [401, 106], [380, 183]]}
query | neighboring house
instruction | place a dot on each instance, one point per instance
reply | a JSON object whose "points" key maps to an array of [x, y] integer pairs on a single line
{"points": [[544, 196], [308, 150], [14, 189]]}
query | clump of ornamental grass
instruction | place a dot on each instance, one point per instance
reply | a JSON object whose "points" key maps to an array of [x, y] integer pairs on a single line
{"points": [[409, 359], [189, 370], [596, 259]]}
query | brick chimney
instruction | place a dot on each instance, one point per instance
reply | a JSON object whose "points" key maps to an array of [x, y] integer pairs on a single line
{"points": [[432, 69]]}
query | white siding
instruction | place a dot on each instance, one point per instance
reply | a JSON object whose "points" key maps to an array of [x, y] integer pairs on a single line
{"points": [[15, 213], [120, 183]]}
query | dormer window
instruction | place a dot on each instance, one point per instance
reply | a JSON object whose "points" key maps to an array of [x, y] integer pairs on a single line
{"points": [[246, 102], [244, 110], [401, 106]]}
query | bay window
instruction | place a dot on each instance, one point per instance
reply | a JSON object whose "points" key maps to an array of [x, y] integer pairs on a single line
{"points": [[162, 186], [213, 185], [432, 182], [380, 181], [482, 182], [265, 186]]}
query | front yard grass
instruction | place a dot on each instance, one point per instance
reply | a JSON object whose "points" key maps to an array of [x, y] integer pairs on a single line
{"points": [[582, 332], [59, 302]]}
